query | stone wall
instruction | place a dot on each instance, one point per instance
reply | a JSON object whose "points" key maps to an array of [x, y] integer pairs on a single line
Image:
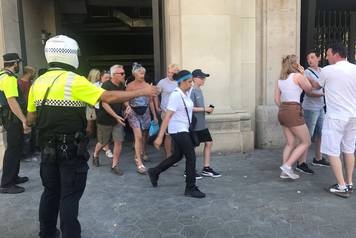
{"points": [[220, 39], [38, 15], [278, 27]]}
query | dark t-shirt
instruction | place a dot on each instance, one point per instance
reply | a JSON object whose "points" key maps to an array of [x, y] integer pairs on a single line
{"points": [[25, 88], [104, 118]]}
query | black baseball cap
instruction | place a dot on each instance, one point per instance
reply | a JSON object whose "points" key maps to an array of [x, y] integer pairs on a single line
{"points": [[11, 57], [198, 73]]}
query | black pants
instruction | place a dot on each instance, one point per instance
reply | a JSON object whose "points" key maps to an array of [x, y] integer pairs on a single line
{"points": [[64, 181], [29, 144], [13, 153], [182, 145]]}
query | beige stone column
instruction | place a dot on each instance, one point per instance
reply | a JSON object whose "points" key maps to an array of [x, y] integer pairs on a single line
{"points": [[278, 31], [220, 39], [41, 14]]}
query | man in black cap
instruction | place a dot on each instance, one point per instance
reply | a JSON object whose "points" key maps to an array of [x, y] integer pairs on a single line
{"points": [[201, 128], [13, 110]]}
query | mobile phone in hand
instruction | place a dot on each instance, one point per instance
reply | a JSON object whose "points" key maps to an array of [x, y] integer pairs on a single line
{"points": [[212, 106]]}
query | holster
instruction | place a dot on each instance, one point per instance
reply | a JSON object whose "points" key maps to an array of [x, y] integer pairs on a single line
{"points": [[49, 151], [82, 143]]}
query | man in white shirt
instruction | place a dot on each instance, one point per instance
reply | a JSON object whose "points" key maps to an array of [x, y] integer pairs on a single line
{"points": [[339, 128]]}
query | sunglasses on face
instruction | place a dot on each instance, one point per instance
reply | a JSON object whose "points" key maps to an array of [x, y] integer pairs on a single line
{"points": [[122, 74]]}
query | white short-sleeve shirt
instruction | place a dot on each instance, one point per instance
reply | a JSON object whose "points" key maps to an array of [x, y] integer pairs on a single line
{"points": [[167, 86], [179, 120], [339, 82]]}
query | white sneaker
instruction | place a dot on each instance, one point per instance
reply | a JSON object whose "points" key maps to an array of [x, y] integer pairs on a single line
{"points": [[109, 154], [289, 172], [284, 176]]}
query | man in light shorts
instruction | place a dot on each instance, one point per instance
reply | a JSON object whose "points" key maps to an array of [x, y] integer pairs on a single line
{"points": [[110, 120], [339, 128]]}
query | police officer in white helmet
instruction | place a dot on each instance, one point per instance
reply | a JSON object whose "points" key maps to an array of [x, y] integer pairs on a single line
{"points": [[56, 104]]}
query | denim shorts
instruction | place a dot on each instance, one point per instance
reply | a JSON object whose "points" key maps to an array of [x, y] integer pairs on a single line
{"points": [[314, 121]]}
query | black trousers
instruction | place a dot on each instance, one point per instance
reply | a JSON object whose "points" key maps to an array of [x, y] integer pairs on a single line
{"points": [[64, 180], [13, 152], [182, 145]]}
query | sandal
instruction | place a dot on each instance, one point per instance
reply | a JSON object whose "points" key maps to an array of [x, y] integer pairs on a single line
{"points": [[141, 169], [96, 161]]}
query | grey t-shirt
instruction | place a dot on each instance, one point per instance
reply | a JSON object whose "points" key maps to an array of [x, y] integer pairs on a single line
{"points": [[313, 103], [198, 99], [167, 86]]}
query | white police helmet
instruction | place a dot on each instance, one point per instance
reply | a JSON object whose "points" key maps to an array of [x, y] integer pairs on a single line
{"points": [[62, 49]]}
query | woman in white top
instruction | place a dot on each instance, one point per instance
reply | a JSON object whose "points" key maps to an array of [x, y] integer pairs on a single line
{"points": [[287, 97], [179, 107]]}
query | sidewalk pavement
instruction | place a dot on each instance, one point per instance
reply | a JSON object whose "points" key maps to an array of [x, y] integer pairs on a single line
{"points": [[249, 200]]}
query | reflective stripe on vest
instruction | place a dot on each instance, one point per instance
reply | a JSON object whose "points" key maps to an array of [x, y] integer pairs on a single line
{"points": [[66, 102], [61, 103]]}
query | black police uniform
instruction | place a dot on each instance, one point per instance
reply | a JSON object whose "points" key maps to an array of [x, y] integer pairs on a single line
{"points": [[61, 124], [14, 130]]}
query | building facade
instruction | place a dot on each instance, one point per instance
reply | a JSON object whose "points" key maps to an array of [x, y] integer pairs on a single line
{"points": [[240, 43]]}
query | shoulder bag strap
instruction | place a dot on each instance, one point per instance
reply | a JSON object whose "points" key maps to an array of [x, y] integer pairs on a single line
{"points": [[186, 110], [317, 78], [313, 73]]}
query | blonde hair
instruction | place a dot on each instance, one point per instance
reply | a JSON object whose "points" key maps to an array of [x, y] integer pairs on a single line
{"points": [[287, 66], [175, 67], [94, 75], [29, 70]]}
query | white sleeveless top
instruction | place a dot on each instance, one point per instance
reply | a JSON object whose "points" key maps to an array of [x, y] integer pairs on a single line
{"points": [[290, 92]]}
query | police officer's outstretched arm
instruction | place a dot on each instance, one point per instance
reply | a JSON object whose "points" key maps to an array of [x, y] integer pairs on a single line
{"points": [[85, 91], [123, 96]]}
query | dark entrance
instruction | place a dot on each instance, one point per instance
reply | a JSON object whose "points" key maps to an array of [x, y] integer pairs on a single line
{"points": [[115, 32], [326, 21]]}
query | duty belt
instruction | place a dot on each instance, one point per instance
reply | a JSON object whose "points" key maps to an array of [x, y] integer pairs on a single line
{"points": [[66, 138]]}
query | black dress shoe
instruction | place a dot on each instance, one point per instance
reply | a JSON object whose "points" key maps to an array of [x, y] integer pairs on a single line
{"points": [[153, 177], [194, 192], [21, 180], [58, 234], [14, 189]]}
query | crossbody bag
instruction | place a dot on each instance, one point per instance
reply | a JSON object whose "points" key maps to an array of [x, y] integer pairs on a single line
{"points": [[192, 133]]}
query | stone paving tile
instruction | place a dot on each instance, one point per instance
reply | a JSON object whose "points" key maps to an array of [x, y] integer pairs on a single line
{"points": [[249, 200]]}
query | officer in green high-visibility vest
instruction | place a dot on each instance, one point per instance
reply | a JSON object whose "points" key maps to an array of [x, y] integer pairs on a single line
{"points": [[13, 110], [57, 102]]}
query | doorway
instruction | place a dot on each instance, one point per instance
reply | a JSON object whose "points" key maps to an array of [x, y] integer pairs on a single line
{"points": [[327, 21], [115, 32]]}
